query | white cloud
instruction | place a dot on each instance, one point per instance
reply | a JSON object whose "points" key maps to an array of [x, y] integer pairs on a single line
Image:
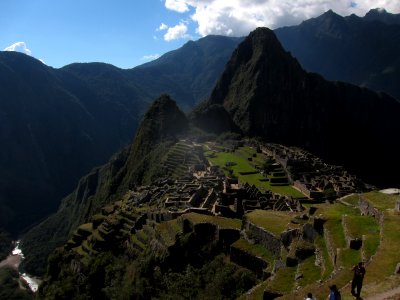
{"points": [[162, 27], [177, 32], [19, 47], [239, 17], [177, 5], [151, 57]]}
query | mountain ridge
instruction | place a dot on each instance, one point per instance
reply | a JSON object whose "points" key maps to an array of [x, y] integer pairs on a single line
{"points": [[359, 50]]}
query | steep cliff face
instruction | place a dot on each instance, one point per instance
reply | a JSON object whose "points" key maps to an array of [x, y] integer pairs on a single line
{"points": [[134, 165], [266, 93]]}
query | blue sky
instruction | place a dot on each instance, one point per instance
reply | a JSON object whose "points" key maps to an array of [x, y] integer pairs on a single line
{"points": [[127, 33], [60, 32]]}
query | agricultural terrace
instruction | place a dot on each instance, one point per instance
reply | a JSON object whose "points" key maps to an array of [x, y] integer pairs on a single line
{"points": [[274, 222]]}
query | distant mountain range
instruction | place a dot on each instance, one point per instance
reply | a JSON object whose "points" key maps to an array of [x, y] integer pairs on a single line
{"points": [[364, 51]]}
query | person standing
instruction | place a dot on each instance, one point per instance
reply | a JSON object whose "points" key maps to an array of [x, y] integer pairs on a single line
{"points": [[334, 294], [310, 297], [358, 277]]}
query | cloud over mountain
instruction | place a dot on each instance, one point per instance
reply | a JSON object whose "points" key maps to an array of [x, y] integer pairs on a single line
{"points": [[177, 32], [19, 47], [239, 17]]}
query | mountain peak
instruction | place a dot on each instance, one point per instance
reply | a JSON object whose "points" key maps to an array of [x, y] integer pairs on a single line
{"points": [[380, 14], [259, 56], [162, 120], [328, 15], [376, 11], [263, 37], [163, 106]]}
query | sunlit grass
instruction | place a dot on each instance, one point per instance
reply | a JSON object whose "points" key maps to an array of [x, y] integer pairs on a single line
{"points": [[328, 266], [272, 221], [311, 273], [242, 164], [388, 255], [380, 200], [284, 280]]}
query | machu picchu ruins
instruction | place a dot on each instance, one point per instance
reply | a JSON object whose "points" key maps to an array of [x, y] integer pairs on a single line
{"points": [[300, 237]]}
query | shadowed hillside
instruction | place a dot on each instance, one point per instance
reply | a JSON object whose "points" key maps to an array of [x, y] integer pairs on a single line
{"points": [[54, 128], [133, 166]]}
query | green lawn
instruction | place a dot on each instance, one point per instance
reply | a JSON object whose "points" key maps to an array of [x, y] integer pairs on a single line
{"points": [[380, 200], [273, 221], [328, 266], [370, 245], [283, 281], [388, 255], [349, 257], [240, 158], [359, 226], [333, 214], [311, 272]]}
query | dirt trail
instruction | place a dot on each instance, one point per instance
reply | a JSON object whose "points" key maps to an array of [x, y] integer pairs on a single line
{"points": [[391, 294]]}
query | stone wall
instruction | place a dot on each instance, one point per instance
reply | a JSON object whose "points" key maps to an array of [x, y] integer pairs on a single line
{"points": [[367, 209], [265, 238], [228, 236], [288, 236], [251, 262]]}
